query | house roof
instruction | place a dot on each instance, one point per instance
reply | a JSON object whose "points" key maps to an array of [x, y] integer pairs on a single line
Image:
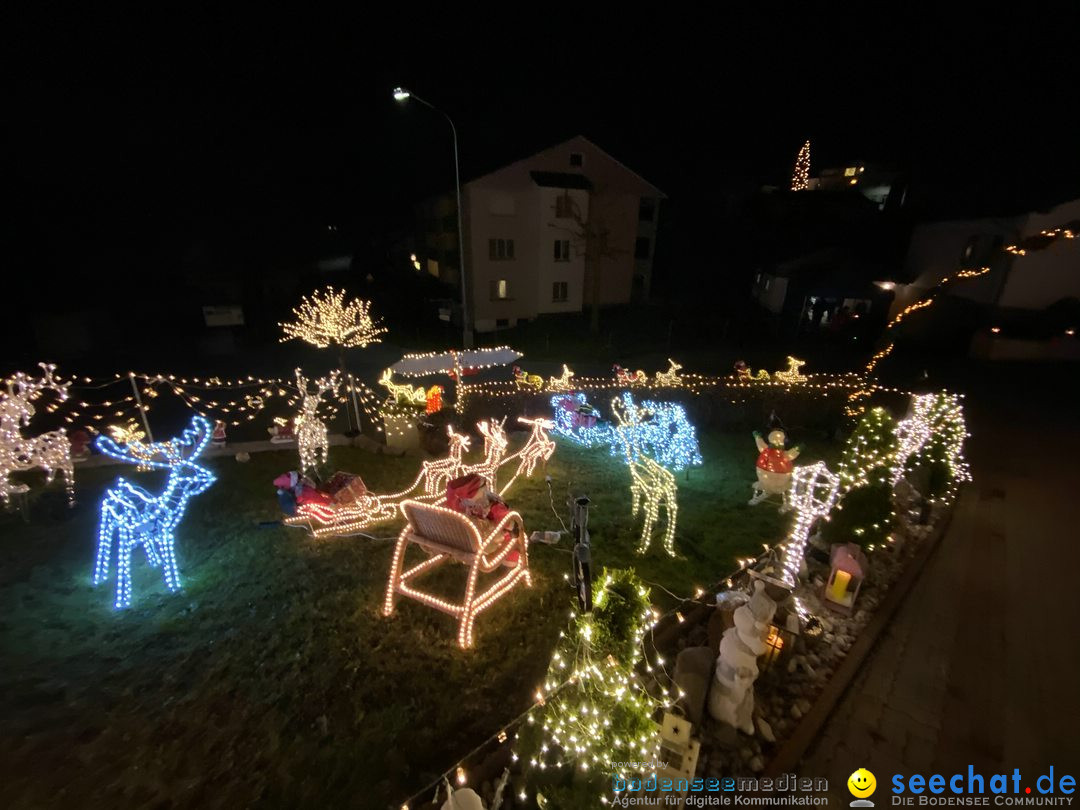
{"points": [[561, 180]]}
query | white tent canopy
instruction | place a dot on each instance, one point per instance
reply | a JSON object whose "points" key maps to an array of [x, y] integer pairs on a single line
{"points": [[418, 365]]}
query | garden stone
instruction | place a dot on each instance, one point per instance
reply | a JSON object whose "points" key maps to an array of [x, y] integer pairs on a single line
{"points": [[693, 671]]}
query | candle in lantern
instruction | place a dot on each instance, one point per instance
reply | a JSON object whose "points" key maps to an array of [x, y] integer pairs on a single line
{"points": [[838, 591]]}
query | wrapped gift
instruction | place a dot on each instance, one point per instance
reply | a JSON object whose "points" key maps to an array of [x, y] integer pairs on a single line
{"points": [[345, 487]]}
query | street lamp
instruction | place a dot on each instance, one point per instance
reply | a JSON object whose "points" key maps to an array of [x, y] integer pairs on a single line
{"points": [[402, 94]]}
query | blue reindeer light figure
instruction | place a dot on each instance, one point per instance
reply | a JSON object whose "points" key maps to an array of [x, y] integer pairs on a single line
{"points": [[134, 517]]}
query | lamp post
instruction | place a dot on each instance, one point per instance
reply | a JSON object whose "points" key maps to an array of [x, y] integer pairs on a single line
{"points": [[401, 94]]}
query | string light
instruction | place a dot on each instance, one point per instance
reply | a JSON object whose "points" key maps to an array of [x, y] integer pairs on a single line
{"points": [[800, 178], [311, 434], [51, 451], [325, 319], [134, 517]]}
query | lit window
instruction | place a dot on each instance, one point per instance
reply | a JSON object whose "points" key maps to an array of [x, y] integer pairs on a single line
{"points": [[849, 171], [500, 290]]}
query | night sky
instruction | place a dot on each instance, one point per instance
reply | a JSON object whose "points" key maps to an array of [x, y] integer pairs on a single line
{"points": [[136, 141]]}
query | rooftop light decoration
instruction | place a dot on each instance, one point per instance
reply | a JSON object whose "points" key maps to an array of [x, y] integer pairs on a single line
{"points": [[326, 319]]}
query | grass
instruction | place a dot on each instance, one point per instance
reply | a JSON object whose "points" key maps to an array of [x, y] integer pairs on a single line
{"points": [[271, 679]]}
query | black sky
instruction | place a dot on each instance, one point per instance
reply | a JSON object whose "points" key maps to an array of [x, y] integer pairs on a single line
{"points": [[135, 138]]}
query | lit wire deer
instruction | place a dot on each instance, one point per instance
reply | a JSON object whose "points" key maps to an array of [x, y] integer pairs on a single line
{"points": [[670, 378], [495, 444], [652, 486], [537, 448], [311, 436], [436, 474], [51, 451], [131, 516], [562, 382]]}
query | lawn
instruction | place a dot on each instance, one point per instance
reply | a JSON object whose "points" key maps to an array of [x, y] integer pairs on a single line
{"points": [[271, 679]]}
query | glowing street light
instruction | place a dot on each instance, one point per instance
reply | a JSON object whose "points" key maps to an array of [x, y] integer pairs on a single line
{"points": [[401, 95]]}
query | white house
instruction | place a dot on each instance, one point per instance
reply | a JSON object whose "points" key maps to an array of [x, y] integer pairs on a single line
{"points": [[523, 254]]}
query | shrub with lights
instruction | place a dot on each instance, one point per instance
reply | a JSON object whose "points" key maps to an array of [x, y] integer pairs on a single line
{"points": [[864, 514], [595, 709]]}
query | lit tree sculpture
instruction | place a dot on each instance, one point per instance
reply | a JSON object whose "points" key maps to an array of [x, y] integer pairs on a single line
{"points": [[325, 319], [51, 451], [801, 176]]}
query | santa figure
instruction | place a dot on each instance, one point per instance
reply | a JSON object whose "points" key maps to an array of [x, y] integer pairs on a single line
{"points": [[282, 431], [774, 466], [217, 438]]}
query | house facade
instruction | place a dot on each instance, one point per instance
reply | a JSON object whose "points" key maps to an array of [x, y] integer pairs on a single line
{"points": [[524, 226]]}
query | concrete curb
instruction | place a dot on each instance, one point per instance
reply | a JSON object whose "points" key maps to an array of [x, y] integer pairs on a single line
{"points": [[807, 732]]}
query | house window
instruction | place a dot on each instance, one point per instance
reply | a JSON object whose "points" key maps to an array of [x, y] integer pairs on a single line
{"points": [[577, 159], [433, 268], [564, 206], [500, 290], [647, 209], [559, 292], [500, 249], [641, 247], [562, 250]]}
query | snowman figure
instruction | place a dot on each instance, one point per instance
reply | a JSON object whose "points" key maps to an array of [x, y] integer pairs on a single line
{"points": [[773, 468]]}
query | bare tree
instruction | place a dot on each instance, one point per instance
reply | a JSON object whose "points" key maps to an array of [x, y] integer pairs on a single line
{"points": [[592, 238]]}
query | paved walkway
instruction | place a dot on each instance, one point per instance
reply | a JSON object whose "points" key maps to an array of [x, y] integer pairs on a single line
{"points": [[982, 662]]}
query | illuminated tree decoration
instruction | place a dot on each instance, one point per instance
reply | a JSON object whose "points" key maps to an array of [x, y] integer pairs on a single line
{"points": [[813, 495], [594, 712], [50, 451], [800, 178], [651, 485], [864, 511], [131, 516], [311, 435], [325, 319]]}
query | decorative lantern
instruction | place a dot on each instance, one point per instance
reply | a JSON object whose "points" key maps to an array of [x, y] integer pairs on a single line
{"points": [[678, 751], [845, 579]]}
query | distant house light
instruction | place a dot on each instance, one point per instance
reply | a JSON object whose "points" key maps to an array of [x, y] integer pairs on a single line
{"points": [[1070, 332], [886, 285], [850, 171], [854, 181], [995, 329]]}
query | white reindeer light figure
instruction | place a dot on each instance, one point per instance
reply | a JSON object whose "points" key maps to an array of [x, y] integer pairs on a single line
{"points": [[438, 473], [134, 517], [669, 378], [51, 451], [651, 485], [562, 382], [495, 444], [539, 446], [311, 438]]}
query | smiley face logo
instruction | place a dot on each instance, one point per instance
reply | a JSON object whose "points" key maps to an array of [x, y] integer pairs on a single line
{"points": [[862, 784]]}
